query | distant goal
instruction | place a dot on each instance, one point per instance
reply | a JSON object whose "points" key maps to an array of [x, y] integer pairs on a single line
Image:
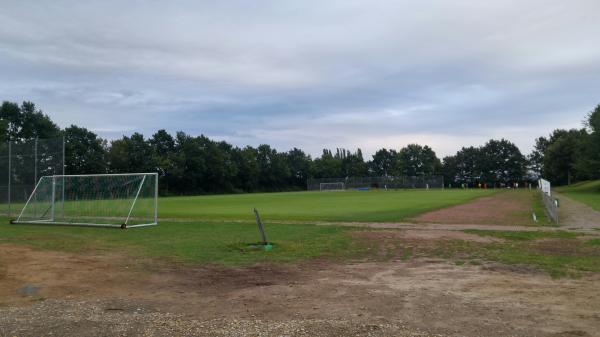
{"points": [[337, 186], [104, 200]]}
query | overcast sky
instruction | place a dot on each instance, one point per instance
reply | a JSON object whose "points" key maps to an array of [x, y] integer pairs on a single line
{"points": [[307, 74]]}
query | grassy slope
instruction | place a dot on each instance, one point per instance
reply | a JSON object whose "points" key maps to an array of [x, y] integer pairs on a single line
{"points": [[587, 192], [374, 206]]}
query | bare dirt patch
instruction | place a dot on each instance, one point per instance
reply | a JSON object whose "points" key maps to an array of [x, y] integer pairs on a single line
{"points": [[426, 235], [107, 295], [504, 208]]}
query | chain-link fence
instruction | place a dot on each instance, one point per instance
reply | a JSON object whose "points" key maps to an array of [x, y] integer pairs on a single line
{"points": [[400, 182], [22, 164]]}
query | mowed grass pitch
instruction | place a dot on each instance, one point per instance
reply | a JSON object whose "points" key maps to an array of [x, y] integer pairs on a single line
{"points": [[217, 228], [343, 206], [225, 242]]}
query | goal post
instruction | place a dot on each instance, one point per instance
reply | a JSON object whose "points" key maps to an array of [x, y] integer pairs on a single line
{"points": [[105, 200], [337, 186]]}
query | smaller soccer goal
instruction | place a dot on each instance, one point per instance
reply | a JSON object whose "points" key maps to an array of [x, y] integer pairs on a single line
{"points": [[337, 186], [105, 200]]}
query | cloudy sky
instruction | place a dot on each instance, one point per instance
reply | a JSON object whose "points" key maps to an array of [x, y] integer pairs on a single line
{"points": [[308, 74]]}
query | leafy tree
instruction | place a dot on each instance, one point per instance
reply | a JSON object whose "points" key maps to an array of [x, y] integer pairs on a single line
{"points": [[299, 163], [450, 170], [562, 155], [11, 118], [188, 164], [3, 131], [248, 171], [417, 160], [85, 152], [589, 163], [218, 172], [536, 158], [131, 154], [383, 163], [274, 169], [502, 162], [466, 166], [25, 122], [327, 166], [353, 164], [163, 148]]}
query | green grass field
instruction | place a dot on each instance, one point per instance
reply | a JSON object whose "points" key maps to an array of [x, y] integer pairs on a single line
{"points": [[218, 230], [198, 242], [353, 206], [587, 192]]}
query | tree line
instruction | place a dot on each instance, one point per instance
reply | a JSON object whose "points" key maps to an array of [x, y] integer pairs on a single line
{"points": [[190, 164]]}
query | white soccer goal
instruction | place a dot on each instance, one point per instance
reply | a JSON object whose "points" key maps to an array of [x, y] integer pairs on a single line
{"points": [[106, 200], [337, 186]]}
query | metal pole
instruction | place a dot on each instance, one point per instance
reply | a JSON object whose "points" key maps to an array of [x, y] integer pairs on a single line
{"points": [[156, 199], [261, 227], [9, 174], [63, 178], [35, 161], [137, 194], [35, 169], [53, 195]]}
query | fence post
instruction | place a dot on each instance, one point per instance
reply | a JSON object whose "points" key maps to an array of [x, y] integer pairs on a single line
{"points": [[9, 175], [64, 164], [35, 154]]}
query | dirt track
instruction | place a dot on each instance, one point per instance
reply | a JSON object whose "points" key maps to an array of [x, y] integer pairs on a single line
{"points": [[105, 295]]}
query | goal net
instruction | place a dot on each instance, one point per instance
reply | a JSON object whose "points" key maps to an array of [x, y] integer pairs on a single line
{"points": [[337, 186], [108, 200]]}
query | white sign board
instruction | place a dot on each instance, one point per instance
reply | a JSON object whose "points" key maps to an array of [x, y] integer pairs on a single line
{"points": [[545, 186]]}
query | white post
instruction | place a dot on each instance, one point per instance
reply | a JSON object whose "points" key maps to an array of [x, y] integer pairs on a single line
{"points": [[156, 199], [35, 161], [53, 195], [135, 199], [35, 144]]}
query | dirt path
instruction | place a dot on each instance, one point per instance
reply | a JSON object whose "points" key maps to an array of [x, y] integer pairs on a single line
{"points": [[73, 295], [576, 215], [503, 208]]}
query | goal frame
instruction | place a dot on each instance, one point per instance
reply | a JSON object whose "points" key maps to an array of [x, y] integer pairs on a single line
{"points": [[123, 225], [343, 186]]}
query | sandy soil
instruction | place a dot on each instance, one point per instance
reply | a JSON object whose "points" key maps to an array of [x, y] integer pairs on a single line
{"points": [[66, 294]]}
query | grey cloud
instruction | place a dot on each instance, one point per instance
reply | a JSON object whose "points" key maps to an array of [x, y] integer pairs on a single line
{"points": [[307, 74]]}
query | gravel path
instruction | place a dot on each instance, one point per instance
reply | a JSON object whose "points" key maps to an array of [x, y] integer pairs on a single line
{"points": [[576, 215], [76, 318]]}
